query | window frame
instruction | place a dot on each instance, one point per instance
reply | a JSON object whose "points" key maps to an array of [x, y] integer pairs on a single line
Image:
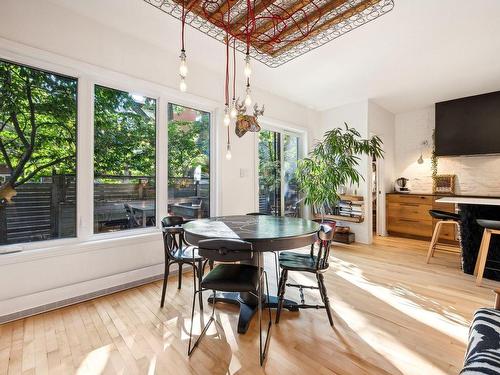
{"points": [[281, 128], [87, 76]]}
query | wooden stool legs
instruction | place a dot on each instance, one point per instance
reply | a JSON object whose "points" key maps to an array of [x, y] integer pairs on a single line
{"points": [[435, 237], [483, 254]]}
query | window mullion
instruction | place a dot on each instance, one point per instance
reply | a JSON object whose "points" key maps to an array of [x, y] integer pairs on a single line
{"points": [[162, 159], [85, 167]]}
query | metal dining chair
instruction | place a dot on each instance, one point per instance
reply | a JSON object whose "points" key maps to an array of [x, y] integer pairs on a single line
{"points": [[311, 263], [178, 252], [228, 276], [133, 221]]}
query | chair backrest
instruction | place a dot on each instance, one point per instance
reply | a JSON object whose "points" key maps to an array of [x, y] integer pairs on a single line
{"points": [[132, 219], [225, 250], [325, 235], [172, 221]]}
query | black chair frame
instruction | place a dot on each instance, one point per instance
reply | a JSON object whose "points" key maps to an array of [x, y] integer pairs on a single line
{"points": [[173, 241], [321, 265], [224, 256]]}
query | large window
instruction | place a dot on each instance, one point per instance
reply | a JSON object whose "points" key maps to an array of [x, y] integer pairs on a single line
{"points": [[188, 162], [278, 156], [124, 160], [38, 112]]}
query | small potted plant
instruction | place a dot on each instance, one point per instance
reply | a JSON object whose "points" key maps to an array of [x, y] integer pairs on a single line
{"points": [[332, 164]]}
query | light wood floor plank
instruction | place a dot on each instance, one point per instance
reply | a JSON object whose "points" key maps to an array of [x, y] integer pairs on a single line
{"points": [[393, 314]]}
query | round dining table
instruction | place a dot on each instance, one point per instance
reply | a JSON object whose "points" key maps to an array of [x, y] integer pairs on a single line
{"points": [[266, 233]]}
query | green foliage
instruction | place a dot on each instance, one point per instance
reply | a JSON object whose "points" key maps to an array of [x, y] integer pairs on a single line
{"points": [[269, 160], [37, 123], [333, 163], [125, 134], [188, 143]]}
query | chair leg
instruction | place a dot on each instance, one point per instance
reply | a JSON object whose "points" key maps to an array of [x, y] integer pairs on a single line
{"points": [[324, 296], [434, 240], [180, 276], [277, 268], [281, 294], [484, 255], [205, 329], [200, 277], [165, 280]]}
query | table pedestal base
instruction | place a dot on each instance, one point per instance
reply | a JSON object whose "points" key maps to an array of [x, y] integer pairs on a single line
{"points": [[247, 310]]}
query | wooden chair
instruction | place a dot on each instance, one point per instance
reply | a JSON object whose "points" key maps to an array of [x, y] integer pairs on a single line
{"points": [[490, 227], [444, 218], [316, 264]]}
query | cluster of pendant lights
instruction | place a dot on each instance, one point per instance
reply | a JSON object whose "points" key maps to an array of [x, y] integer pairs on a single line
{"points": [[230, 110]]}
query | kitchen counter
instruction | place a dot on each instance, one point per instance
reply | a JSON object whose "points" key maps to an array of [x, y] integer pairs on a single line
{"points": [[488, 201]]}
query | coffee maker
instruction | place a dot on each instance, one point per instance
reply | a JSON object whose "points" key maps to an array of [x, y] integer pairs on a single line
{"points": [[402, 185]]}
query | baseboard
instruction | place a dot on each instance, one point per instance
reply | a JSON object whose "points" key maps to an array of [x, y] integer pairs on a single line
{"points": [[24, 306]]}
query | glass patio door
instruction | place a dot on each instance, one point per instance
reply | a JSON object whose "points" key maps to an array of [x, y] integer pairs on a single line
{"points": [[278, 155]]}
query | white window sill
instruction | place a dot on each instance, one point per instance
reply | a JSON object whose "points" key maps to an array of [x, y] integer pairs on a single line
{"points": [[27, 252]]}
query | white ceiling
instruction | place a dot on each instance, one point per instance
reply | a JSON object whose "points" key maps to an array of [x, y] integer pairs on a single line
{"points": [[422, 52]]}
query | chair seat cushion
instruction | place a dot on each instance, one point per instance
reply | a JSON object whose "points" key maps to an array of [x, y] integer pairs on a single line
{"points": [[490, 224], [443, 215], [232, 278], [483, 350], [300, 262], [186, 254]]}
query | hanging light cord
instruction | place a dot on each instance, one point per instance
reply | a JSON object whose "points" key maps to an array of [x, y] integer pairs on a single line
{"points": [[183, 23]]}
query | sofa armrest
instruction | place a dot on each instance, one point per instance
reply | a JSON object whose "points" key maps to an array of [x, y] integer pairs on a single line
{"points": [[497, 298]]}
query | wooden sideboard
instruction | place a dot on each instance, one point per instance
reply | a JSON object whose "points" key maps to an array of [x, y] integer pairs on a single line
{"points": [[408, 216]]}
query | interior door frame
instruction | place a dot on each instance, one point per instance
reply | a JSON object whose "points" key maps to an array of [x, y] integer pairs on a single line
{"points": [[281, 128]]}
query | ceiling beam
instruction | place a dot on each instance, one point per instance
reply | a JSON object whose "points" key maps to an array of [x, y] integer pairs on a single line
{"points": [[326, 25], [287, 13], [304, 22], [240, 21]]}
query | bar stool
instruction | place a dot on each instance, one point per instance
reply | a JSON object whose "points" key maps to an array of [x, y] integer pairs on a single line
{"points": [[490, 227], [444, 218]]}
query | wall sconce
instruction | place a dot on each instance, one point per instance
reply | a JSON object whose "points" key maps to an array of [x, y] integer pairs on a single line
{"points": [[423, 145]]}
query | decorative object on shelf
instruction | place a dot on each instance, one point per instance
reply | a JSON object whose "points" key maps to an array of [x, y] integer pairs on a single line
{"points": [[276, 30], [402, 185], [333, 163], [423, 146], [246, 123], [444, 184]]}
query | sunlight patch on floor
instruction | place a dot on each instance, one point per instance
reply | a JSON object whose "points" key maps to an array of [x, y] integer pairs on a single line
{"points": [[95, 362], [434, 320], [384, 344]]}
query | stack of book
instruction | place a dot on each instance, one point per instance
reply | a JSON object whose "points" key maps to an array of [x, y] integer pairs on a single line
{"points": [[350, 207]]}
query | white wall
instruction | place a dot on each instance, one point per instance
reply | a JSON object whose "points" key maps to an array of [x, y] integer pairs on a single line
{"points": [[476, 175], [381, 123], [42, 30]]}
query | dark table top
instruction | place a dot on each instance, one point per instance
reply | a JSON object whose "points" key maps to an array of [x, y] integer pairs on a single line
{"points": [[267, 233]]}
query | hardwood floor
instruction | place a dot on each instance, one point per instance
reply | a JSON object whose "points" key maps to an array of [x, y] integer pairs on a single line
{"points": [[393, 314]]}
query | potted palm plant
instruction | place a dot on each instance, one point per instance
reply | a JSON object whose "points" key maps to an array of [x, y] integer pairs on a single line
{"points": [[332, 164]]}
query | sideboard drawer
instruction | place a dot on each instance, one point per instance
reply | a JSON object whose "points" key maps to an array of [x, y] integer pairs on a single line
{"points": [[410, 198], [410, 227]]}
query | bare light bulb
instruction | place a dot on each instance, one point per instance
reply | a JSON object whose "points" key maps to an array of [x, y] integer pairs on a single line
{"points": [[233, 113], [420, 160], [228, 152], [183, 69], [227, 119], [248, 99], [248, 67], [183, 85]]}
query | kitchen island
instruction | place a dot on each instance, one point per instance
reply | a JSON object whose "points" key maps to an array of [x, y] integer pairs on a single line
{"points": [[471, 209]]}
